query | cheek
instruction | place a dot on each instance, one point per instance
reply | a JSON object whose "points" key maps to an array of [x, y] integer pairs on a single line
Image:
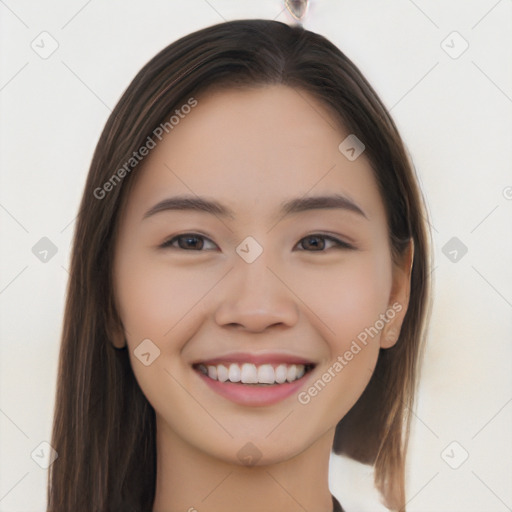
{"points": [[349, 297], [154, 299], [147, 302], [348, 302]]}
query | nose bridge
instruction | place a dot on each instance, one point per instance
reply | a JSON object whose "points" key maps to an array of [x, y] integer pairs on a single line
{"points": [[254, 297], [255, 280]]}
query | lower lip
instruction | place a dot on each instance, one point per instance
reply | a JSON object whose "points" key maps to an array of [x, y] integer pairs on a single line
{"points": [[253, 395]]}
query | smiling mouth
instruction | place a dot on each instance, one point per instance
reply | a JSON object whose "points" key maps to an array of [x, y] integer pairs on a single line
{"points": [[254, 374]]}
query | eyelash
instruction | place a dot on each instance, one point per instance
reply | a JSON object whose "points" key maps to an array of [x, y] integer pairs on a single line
{"points": [[339, 244]]}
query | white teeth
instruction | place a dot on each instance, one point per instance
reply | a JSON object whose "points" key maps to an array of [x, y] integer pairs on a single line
{"points": [[234, 373], [281, 373], [291, 374], [249, 373], [266, 374], [212, 372], [222, 373]]}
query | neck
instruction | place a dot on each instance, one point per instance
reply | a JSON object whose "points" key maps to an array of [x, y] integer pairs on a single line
{"points": [[189, 480]]}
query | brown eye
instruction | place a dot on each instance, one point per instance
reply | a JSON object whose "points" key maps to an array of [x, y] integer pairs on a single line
{"points": [[317, 243], [187, 242], [190, 242], [314, 243]]}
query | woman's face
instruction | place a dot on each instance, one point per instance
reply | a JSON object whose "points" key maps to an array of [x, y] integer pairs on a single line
{"points": [[274, 267]]}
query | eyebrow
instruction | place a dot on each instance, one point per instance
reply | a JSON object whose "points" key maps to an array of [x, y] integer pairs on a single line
{"points": [[301, 204]]}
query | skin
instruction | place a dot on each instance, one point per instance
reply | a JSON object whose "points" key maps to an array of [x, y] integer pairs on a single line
{"points": [[252, 149]]}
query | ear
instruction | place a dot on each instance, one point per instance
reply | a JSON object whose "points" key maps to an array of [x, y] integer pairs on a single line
{"points": [[117, 338], [399, 297]]}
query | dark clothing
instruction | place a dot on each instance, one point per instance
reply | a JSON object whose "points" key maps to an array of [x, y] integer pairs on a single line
{"points": [[336, 507]]}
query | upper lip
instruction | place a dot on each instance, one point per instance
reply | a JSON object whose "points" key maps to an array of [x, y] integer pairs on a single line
{"points": [[257, 359]]}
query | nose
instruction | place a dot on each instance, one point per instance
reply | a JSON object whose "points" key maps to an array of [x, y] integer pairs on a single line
{"points": [[255, 298]]}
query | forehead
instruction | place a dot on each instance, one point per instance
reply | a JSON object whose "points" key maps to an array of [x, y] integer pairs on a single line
{"points": [[251, 149]]}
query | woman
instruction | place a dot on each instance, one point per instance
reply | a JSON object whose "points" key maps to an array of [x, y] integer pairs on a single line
{"points": [[248, 285]]}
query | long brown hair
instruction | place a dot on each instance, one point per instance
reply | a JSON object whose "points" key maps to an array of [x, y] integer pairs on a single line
{"points": [[104, 428]]}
